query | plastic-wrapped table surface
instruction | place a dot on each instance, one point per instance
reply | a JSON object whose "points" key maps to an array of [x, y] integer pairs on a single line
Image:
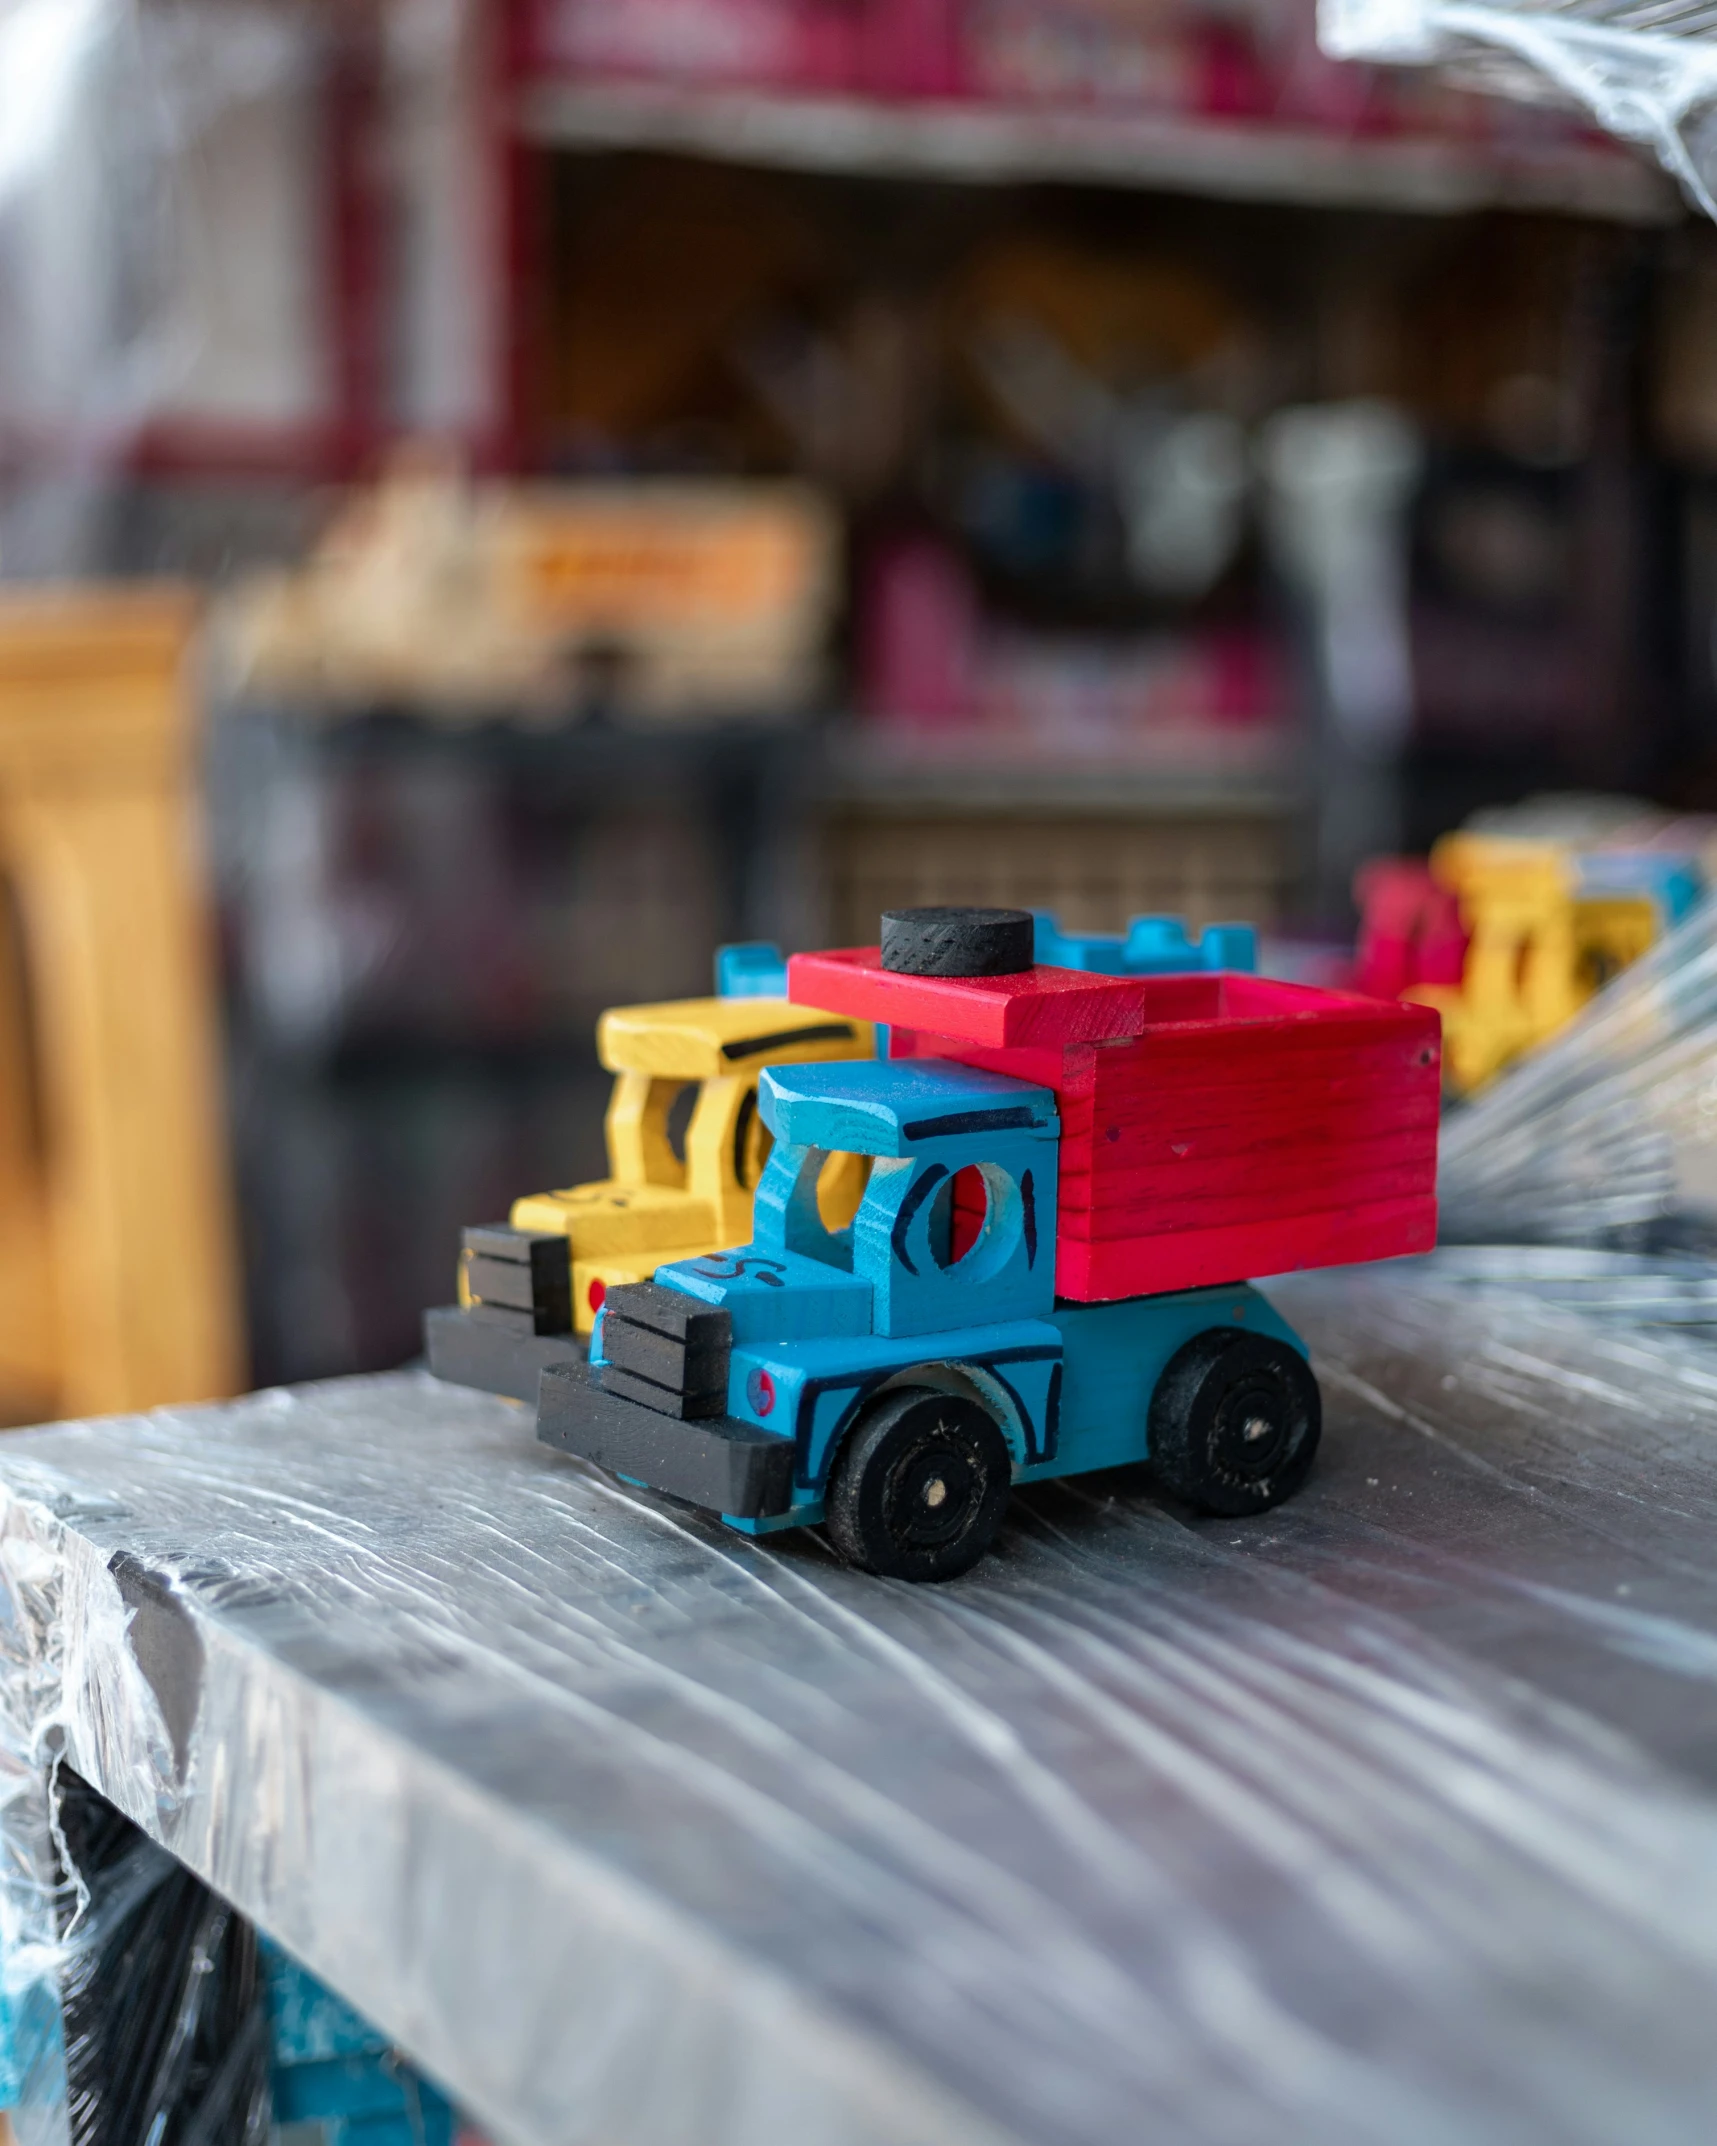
{"points": [[1392, 1818]]}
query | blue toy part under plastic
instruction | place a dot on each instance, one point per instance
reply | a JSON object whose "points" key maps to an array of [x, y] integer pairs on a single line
{"points": [[330, 2067], [364, 2101], [1150, 946], [1071, 1391], [751, 968], [308, 2023], [12, 2053]]}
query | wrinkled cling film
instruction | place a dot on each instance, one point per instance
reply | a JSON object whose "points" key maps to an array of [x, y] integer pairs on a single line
{"points": [[1390, 1820], [132, 1999], [1645, 69], [1608, 1136], [130, 1995], [161, 261], [1649, 1289]]}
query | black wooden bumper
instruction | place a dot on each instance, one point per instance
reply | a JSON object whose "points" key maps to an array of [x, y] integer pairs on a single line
{"points": [[713, 1461], [471, 1349]]}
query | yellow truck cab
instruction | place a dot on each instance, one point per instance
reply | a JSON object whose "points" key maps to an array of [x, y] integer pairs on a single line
{"points": [[667, 1199], [1548, 931], [686, 1147]]}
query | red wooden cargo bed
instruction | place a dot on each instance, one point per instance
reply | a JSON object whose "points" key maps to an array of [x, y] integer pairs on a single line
{"points": [[1215, 1128]]}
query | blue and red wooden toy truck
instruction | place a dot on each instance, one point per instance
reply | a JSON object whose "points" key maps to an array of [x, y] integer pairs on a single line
{"points": [[1073, 1177]]}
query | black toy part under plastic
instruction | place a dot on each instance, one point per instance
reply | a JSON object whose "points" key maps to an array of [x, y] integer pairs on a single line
{"points": [[166, 2030]]}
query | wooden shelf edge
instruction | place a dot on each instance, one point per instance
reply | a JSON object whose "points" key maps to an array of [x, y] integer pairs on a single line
{"points": [[1223, 159]]}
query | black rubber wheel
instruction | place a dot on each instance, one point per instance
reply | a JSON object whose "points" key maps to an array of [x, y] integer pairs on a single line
{"points": [[1235, 1421], [919, 1488], [958, 942]]}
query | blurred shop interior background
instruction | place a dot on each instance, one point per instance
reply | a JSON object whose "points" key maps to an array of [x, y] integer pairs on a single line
{"points": [[658, 472]]}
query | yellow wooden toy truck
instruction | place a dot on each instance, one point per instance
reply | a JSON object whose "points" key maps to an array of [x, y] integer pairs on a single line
{"points": [[654, 1198], [530, 1288], [1549, 928]]}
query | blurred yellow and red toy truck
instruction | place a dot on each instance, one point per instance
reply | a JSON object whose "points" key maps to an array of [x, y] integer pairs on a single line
{"points": [[1509, 936]]}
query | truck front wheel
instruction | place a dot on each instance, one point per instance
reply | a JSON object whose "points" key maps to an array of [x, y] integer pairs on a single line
{"points": [[1235, 1421], [918, 1490]]}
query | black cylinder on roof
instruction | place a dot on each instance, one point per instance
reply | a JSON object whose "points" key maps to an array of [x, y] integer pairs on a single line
{"points": [[957, 942]]}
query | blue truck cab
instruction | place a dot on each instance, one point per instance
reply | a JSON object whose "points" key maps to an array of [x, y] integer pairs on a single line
{"points": [[893, 1379]]}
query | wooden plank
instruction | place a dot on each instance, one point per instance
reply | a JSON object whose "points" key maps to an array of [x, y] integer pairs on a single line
{"points": [[98, 838], [1296, 1128], [1190, 1259], [1039, 1006], [1170, 1202]]}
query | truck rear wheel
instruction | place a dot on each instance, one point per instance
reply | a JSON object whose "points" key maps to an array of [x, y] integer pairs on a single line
{"points": [[918, 1490], [1234, 1422]]}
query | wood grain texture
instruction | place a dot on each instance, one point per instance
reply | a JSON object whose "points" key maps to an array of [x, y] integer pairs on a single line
{"points": [[1087, 1273], [1036, 1006], [1295, 1128], [98, 838]]}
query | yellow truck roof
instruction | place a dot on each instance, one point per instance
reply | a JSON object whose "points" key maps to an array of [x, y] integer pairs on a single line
{"points": [[699, 1038], [1509, 867]]}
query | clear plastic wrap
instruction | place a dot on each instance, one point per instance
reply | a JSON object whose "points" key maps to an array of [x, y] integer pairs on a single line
{"points": [[166, 2031], [238, 239], [1633, 1288], [1645, 69], [1608, 1136], [1392, 1818], [133, 1994], [163, 280], [154, 2016]]}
